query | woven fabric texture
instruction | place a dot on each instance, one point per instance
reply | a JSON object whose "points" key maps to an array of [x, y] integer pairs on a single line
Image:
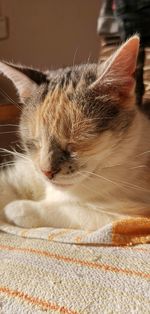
{"points": [[71, 271]]}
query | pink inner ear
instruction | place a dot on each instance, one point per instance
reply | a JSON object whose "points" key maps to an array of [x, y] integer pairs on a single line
{"points": [[117, 73], [126, 57]]}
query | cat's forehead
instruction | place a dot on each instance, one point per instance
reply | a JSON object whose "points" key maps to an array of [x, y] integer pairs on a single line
{"points": [[66, 90], [72, 100], [72, 76]]}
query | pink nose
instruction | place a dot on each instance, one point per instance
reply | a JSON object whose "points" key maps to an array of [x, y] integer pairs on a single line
{"points": [[48, 174]]}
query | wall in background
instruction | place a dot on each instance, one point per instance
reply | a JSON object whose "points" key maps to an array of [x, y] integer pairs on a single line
{"points": [[49, 33]]}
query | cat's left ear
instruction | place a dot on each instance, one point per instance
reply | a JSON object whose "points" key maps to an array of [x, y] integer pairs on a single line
{"points": [[26, 80], [117, 73]]}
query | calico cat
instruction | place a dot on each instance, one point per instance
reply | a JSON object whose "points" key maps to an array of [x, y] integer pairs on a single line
{"points": [[86, 158]]}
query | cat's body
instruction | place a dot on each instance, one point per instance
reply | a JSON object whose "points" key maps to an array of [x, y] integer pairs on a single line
{"points": [[86, 161]]}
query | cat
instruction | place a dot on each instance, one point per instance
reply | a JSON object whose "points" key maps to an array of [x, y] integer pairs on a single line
{"points": [[86, 146]]}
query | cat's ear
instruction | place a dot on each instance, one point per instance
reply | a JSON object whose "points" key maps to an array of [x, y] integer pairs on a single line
{"points": [[26, 80], [117, 73]]}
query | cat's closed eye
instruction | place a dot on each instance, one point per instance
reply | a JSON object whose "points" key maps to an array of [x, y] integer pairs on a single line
{"points": [[65, 155], [32, 144]]}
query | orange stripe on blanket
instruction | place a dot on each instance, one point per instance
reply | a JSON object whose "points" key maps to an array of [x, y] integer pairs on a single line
{"points": [[45, 305], [71, 260], [53, 236], [79, 239], [131, 231]]}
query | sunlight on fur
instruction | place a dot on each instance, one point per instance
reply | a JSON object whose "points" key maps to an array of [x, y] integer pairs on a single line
{"points": [[85, 146]]}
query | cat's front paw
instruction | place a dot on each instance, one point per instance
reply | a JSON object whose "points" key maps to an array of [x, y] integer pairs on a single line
{"points": [[23, 213]]}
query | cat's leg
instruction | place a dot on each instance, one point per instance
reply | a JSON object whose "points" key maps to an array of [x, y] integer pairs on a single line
{"points": [[19, 183], [31, 214], [23, 213], [8, 192]]}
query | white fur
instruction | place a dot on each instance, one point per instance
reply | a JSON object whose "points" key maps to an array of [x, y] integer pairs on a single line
{"points": [[116, 178], [119, 186]]}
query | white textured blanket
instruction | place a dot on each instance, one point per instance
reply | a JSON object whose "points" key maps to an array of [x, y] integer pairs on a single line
{"points": [[40, 271]]}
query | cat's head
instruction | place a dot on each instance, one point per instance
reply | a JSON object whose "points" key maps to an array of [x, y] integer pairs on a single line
{"points": [[75, 119]]}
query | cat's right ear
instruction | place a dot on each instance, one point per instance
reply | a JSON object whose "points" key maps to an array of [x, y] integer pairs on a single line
{"points": [[26, 80], [117, 73]]}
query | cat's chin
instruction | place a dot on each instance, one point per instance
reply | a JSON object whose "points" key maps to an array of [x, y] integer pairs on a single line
{"points": [[63, 185], [67, 184], [77, 180]]}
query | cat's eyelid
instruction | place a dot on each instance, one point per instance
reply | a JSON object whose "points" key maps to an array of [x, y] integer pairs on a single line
{"points": [[33, 140], [31, 143]]}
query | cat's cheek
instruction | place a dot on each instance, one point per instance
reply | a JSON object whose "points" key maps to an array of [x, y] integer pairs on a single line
{"points": [[34, 158]]}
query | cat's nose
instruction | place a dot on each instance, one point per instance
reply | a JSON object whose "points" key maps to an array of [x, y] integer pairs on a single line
{"points": [[48, 173]]}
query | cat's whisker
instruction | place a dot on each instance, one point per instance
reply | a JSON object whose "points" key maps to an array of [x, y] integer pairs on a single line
{"points": [[125, 183], [10, 99], [4, 165], [88, 189], [111, 166], [101, 177], [86, 66], [141, 166], [122, 188], [20, 147], [133, 186], [14, 153], [9, 132], [7, 162], [74, 57], [8, 125], [146, 152], [100, 207], [13, 127]]}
